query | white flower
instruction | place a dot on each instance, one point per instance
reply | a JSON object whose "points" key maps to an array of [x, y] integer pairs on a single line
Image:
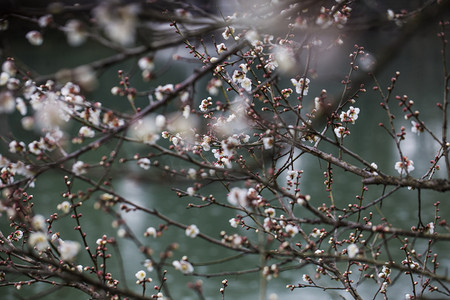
{"points": [[291, 230], [270, 212], [305, 278], [140, 275], [38, 222], [183, 266], [21, 106], [352, 250], [234, 222], [192, 231], [268, 142], [86, 131], [205, 104], [229, 31], [341, 132], [237, 196], [38, 240], [299, 85], [430, 228], [35, 38], [64, 207], [145, 131], [145, 63], [148, 263], [221, 48], [160, 91], [68, 250], [246, 84], [76, 35], [7, 102], [79, 168], [405, 165], [186, 111], [160, 121], [190, 191], [416, 127], [144, 163], [151, 231], [16, 147]]}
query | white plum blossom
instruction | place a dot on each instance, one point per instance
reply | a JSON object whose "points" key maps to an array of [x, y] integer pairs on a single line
{"points": [[234, 222], [192, 231], [39, 240], [151, 231], [205, 104], [69, 250], [140, 275], [270, 212], [79, 168], [352, 250], [246, 84], [300, 85], [291, 230], [38, 222], [190, 191], [75, 32], [237, 196], [35, 38], [341, 132], [404, 166], [144, 163], [229, 31], [7, 102], [21, 106], [146, 63], [148, 263], [17, 147], [145, 131], [268, 142], [183, 265], [64, 206], [86, 131], [160, 91], [416, 127]]}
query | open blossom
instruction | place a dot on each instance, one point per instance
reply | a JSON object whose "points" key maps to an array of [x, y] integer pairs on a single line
{"points": [[229, 31], [75, 32], [351, 115], [341, 132], [69, 250], [404, 166], [140, 275], [144, 163], [148, 263], [300, 85], [291, 230], [183, 265], [234, 222], [416, 127], [151, 231], [16, 147], [79, 168], [86, 131], [7, 102], [64, 207], [39, 240], [268, 142], [192, 231], [35, 38], [205, 104], [237, 196], [38, 222], [352, 250]]}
